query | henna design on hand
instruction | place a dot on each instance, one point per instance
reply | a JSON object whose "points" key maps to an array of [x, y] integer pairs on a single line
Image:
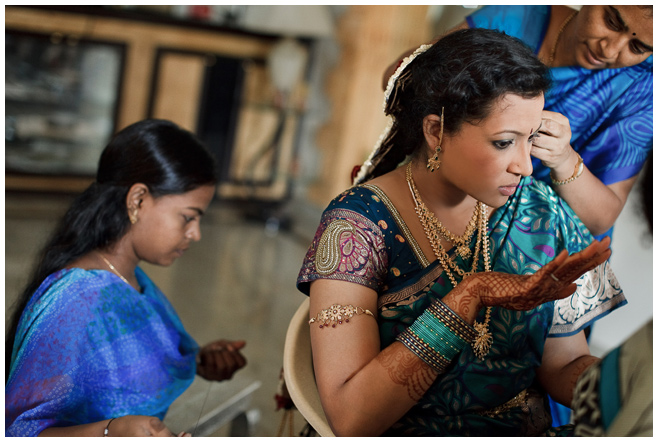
{"points": [[406, 369], [524, 292]]}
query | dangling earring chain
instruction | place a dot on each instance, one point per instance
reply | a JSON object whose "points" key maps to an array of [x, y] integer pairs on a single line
{"points": [[114, 269], [483, 342], [434, 163]]}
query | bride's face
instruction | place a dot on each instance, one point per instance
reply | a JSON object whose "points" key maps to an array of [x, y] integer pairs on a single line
{"points": [[487, 160]]}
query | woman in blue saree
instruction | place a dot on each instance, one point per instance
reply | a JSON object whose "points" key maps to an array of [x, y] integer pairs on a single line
{"points": [[599, 109], [426, 332], [94, 347], [601, 60]]}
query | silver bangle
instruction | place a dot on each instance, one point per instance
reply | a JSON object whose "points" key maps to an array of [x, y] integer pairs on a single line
{"points": [[107, 427]]}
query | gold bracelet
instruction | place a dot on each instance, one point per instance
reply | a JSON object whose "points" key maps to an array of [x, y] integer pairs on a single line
{"points": [[577, 171], [337, 314]]}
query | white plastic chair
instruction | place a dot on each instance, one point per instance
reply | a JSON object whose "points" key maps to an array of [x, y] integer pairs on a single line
{"points": [[298, 371]]}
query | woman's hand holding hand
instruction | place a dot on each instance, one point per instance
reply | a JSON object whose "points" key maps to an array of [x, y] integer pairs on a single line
{"points": [[218, 360], [553, 145], [141, 426]]}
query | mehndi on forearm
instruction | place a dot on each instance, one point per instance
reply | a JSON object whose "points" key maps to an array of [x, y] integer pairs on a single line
{"points": [[407, 370]]}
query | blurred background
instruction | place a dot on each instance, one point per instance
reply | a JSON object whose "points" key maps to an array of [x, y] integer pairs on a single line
{"points": [[288, 99]]}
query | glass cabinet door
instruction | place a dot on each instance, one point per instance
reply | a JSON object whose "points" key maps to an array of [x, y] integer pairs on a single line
{"points": [[61, 101]]}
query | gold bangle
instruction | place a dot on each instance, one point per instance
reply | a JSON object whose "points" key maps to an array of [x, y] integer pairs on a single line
{"points": [[577, 171]]}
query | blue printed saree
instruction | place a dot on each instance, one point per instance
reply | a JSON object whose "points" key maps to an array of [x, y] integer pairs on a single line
{"points": [[373, 246], [89, 347], [610, 111]]}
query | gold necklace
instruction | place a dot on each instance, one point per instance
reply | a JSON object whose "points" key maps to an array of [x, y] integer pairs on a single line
{"points": [[462, 243], [426, 218], [114, 269], [483, 341], [557, 39]]}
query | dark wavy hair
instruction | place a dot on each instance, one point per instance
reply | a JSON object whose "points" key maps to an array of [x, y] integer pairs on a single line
{"points": [[464, 73], [158, 153]]}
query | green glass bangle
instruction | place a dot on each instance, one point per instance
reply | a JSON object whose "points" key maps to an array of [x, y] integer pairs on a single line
{"points": [[432, 358], [437, 335], [453, 320], [445, 335]]}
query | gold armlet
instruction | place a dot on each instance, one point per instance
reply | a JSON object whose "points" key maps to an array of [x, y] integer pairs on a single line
{"points": [[337, 314]]}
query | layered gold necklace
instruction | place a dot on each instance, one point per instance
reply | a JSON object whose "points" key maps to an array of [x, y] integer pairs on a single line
{"points": [[435, 231]]}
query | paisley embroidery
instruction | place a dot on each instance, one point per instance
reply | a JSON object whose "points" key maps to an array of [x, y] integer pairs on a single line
{"points": [[330, 249]]}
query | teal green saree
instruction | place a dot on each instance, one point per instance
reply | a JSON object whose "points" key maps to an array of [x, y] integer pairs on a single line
{"points": [[497, 396]]}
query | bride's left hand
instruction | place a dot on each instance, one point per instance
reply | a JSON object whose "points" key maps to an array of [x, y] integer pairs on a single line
{"points": [[553, 281]]}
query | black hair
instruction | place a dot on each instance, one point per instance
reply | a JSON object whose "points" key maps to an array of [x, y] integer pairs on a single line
{"points": [[463, 74], [158, 153]]}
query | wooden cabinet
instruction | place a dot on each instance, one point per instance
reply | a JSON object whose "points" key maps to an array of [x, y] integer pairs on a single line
{"points": [[174, 70]]}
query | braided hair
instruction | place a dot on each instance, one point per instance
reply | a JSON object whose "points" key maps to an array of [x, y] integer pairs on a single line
{"points": [[461, 76]]}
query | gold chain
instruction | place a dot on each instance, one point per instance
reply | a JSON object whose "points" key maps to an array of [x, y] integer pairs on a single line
{"points": [[557, 39], [483, 342], [114, 269], [462, 243]]}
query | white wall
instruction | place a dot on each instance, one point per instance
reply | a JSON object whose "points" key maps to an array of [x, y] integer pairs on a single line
{"points": [[632, 262]]}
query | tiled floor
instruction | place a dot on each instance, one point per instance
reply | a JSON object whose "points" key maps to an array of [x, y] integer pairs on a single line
{"points": [[238, 282]]}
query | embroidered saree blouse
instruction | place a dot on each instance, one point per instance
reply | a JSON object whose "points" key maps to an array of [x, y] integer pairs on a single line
{"points": [[89, 347], [362, 239]]}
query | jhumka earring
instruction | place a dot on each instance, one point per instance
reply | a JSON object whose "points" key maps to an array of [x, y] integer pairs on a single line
{"points": [[434, 163]]}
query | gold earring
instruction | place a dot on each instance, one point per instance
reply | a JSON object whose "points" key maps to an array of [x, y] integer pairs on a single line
{"points": [[133, 217], [434, 163]]}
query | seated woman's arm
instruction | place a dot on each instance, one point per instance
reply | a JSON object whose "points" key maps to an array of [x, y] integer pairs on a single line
{"points": [[348, 364], [348, 361], [563, 362], [135, 426]]}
